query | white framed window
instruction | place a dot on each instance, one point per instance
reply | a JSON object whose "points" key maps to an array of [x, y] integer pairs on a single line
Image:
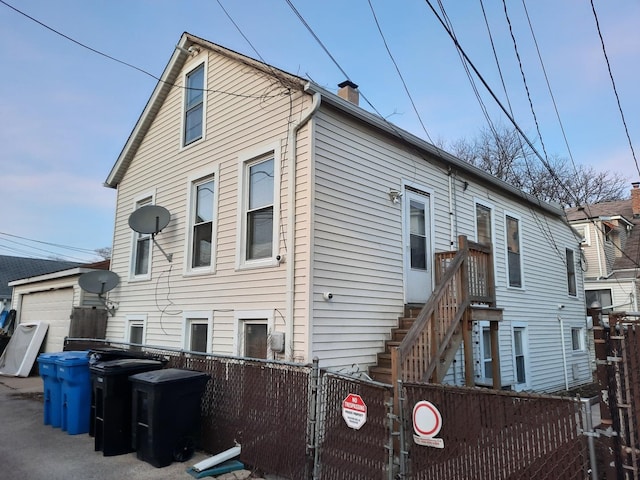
{"points": [[251, 333], [571, 273], [201, 233], [193, 122], [259, 198], [583, 233], [513, 251], [603, 297], [520, 356], [484, 223], [577, 339], [142, 246], [197, 331], [136, 329]]}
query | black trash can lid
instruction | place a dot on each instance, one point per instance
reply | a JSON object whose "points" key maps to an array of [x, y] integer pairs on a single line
{"points": [[169, 375], [124, 365]]}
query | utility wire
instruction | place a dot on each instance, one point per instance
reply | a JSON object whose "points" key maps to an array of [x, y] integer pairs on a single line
{"points": [[395, 64], [615, 90], [57, 245], [105, 55]]}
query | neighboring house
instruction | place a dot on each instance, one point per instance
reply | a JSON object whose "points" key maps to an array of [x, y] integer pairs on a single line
{"points": [[14, 268], [610, 243], [301, 226], [51, 298]]}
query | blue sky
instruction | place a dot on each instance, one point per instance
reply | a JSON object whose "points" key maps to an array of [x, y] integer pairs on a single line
{"points": [[66, 112]]}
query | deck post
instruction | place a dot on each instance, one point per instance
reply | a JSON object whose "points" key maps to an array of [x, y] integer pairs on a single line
{"points": [[467, 327]]}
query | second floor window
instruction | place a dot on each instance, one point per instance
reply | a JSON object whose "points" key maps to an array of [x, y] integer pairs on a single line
{"points": [[141, 258], [194, 105], [483, 224], [259, 209], [514, 261], [571, 273], [202, 222]]}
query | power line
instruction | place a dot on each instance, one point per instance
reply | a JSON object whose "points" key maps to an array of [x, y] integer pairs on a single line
{"points": [[122, 62], [50, 252], [613, 84], [395, 64]]}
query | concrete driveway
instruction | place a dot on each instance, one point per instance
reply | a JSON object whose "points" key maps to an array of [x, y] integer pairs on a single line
{"points": [[31, 450]]}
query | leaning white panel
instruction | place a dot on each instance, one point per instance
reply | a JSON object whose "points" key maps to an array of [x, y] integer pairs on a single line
{"points": [[21, 351]]}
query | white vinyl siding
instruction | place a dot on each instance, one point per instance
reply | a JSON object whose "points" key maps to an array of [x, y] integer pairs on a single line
{"points": [[347, 232], [358, 253], [248, 123]]}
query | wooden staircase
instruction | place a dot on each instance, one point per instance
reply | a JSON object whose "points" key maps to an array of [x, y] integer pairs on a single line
{"points": [[428, 336]]}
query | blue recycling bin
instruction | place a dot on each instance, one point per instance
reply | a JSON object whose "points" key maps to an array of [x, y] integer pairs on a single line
{"points": [[75, 392], [52, 388]]}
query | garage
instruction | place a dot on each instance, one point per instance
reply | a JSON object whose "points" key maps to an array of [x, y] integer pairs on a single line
{"points": [[55, 308]]}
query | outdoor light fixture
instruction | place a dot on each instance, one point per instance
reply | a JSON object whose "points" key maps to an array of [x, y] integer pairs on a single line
{"points": [[395, 195]]}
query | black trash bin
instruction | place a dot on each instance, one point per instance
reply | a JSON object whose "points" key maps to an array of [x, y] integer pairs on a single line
{"points": [[165, 420], [111, 402]]}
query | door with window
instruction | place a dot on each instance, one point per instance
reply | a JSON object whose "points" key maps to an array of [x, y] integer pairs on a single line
{"points": [[417, 241]]}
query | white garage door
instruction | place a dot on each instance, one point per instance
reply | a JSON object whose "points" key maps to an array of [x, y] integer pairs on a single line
{"points": [[55, 308]]}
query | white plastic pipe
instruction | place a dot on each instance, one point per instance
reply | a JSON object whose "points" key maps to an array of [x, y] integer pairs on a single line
{"points": [[217, 459], [291, 220], [564, 354]]}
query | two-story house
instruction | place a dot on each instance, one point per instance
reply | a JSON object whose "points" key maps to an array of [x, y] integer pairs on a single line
{"points": [[610, 249], [295, 224]]}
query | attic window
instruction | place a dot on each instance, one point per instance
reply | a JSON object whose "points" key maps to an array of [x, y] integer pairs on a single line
{"points": [[609, 230], [194, 105]]}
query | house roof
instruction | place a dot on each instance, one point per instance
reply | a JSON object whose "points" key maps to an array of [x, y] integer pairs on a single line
{"points": [[624, 211], [15, 268], [177, 61], [620, 208]]}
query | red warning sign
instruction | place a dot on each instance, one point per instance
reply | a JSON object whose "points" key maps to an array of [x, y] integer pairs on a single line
{"points": [[354, 411]]}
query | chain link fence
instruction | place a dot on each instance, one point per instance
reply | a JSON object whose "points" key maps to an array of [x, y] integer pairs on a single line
{"points": [[292, 420]]}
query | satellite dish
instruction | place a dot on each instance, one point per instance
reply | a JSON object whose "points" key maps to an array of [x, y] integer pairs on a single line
{"points": [[149, 219], [98, 281]]}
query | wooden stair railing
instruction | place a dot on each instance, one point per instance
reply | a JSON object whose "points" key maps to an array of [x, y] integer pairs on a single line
{"points": [[463, 278]]}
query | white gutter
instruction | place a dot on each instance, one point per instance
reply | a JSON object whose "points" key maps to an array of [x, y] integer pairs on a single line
{"points": [[564, 354], [599, 254], [452, 244], [290, 262]]}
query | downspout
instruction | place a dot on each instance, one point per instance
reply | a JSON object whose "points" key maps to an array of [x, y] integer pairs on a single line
{"points": [[599, 253], [451, 215], [564, 354], [294, 127]]}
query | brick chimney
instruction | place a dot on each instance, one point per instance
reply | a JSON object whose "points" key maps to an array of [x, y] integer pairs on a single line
{"points": [[349, 91], [635, 199]]}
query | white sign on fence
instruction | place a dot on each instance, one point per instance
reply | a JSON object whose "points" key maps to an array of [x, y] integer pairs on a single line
{"points": [[354, 411], [427, 422]]}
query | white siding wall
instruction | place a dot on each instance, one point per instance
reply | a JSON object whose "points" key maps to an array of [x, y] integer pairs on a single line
{"points": [[358, 253], [235, 124]]}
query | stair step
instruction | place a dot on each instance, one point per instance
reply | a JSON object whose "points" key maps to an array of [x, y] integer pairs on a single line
{"points": [[412, 310], [399, 333], [406, 322], [380, 374], [384, 360]]}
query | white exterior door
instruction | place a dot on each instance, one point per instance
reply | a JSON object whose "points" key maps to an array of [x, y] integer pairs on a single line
{"points": [[417, 243]]}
